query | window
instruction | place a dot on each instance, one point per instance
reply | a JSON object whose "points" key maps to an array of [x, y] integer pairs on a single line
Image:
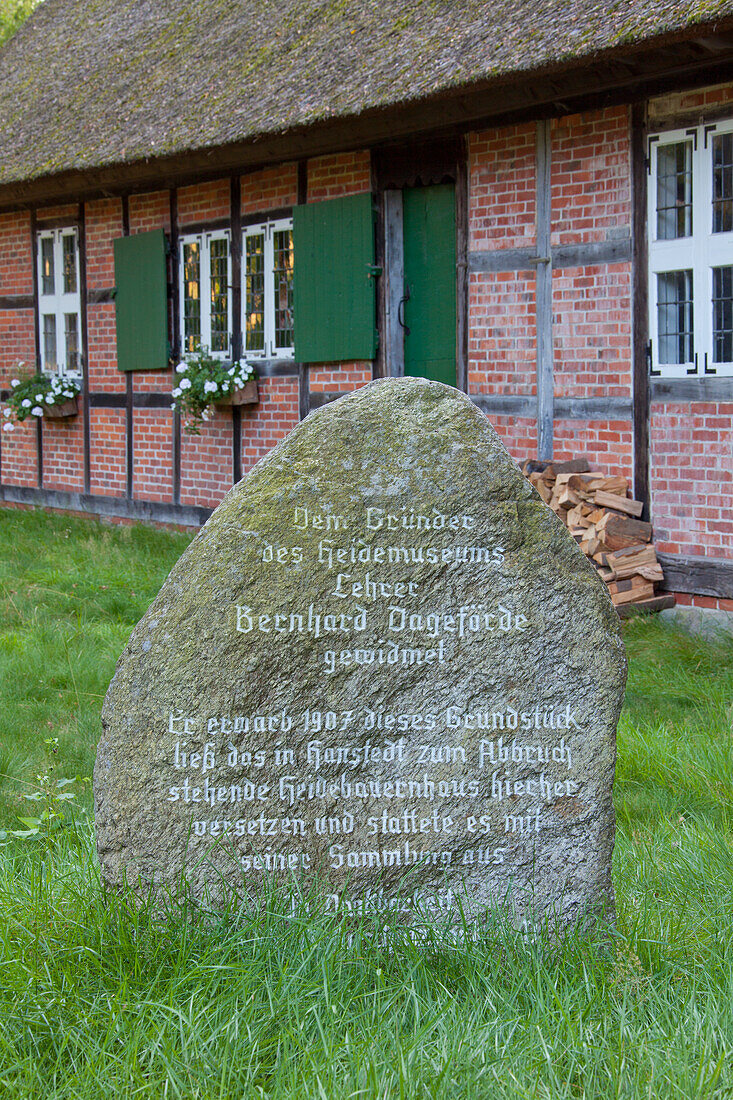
{"points": [[59, 308], [205, 282], [691, 251], [267, 290]]}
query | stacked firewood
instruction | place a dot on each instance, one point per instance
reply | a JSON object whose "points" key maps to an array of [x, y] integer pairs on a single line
{"points": [[606, 524]]}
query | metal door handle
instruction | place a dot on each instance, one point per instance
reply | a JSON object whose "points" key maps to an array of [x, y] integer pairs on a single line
{"points": [[400, 312]]}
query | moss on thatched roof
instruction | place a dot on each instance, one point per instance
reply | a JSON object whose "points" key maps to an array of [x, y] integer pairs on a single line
{"points": [[88, 83]]}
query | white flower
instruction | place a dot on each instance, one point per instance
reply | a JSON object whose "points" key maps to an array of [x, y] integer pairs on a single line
{"points": [[181, 368], [7, 412], [7, 427], [50, 399], [173, 405], [206, 414], [37, 410], [211, 387], [232, 370], [185, 383], [176, 392], [14, 382], [39, 398], [25, 403]]}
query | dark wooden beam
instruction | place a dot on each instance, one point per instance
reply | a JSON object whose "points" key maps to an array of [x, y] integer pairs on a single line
{"points": [[235, 216], [691, 389], [175, 339], [697, 575], [129, 419], [104, 296], [612, 251], [543, 296], [640, 307], [16, 301], [123, 507], [86, 430], [565, 408], [462, 268]]}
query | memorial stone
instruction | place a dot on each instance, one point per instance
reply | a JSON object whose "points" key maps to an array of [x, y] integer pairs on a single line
{"points": [[382, 666]]}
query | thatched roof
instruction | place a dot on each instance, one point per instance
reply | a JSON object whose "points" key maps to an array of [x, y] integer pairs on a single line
{"points": [[89, 83]]}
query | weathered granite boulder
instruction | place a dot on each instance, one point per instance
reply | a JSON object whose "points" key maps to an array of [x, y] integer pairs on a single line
{"points": [[384, 665]]}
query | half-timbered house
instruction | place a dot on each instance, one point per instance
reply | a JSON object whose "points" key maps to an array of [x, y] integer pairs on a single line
{"points": [[530, 201]]}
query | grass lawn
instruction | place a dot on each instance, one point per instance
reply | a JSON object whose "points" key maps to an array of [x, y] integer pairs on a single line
{"points": [[99, 1000]]}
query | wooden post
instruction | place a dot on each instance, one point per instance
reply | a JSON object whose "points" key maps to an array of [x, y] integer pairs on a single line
{"points": [[394, 275], [545, 381], [128, 379], [640, 384], [175, 340], [462, 233], [84, 335]]}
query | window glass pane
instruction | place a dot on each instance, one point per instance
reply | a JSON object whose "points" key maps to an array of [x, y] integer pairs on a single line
{"points": [[69, 252], [674, 191], [49, 341], [723, 314], [674, 315], [723, 183], [191, 296], [254, 292], [71, 339], [218, 267], [47, 274], [283, 278]]}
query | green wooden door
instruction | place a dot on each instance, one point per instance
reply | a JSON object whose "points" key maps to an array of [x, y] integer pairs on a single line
{"points": [[429, 229]]}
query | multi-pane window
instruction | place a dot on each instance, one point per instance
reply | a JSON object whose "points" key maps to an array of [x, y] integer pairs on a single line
{"points": [[205, 288], [691, 251], [59, 307], [267, 290]]}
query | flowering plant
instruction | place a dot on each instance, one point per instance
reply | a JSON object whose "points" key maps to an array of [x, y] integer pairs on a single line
{"points": [[30, 396], [202, 381]]}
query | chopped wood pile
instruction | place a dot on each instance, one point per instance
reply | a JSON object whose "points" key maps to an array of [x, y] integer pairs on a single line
{"points": [[606, 523]]}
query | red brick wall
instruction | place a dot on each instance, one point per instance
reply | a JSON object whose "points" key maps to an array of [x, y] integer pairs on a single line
{"points": [[502, 215], [265, 425], [502, 349], [608, 442], [152, 436], [517, 433], [19, 454], [203, 202], [207, 460], [592, 338], [342, 378], [269, 189], [343, 174], [591, 176], [103, 224], [63, 454], [108, 450], [692, 478], [16, 260]]}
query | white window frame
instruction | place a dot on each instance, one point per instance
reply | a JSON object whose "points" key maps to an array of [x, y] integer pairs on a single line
{"points": [[700, 252], [271, 350], [58, 304], [204, 240]]}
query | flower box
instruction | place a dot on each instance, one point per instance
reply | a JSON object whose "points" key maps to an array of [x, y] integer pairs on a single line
{"points": [[247, 395], [62, 409]]}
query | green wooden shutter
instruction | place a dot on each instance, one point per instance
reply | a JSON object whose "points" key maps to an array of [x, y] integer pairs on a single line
{"points": [[141, 301], [333, 280]]}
